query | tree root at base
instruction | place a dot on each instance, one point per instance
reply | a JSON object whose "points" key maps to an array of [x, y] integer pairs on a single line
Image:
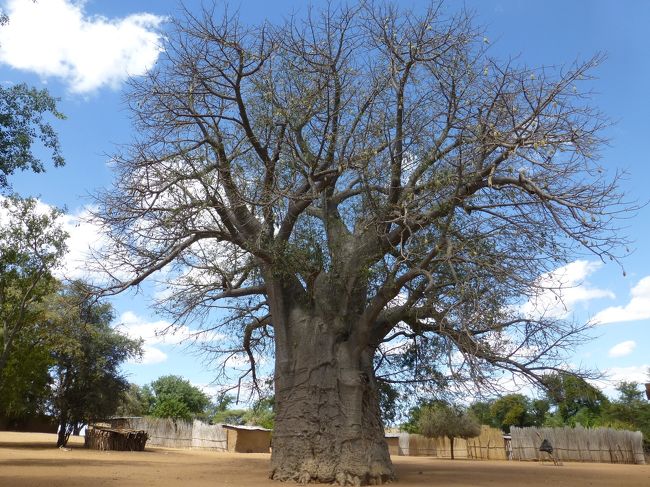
{"points": [[341, 478]]}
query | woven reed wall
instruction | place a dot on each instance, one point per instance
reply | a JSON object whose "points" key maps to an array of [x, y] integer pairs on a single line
{"points": [[179, 434], [489, 445], [579, 444]]}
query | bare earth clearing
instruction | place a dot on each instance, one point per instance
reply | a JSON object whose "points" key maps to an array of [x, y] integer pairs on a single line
{"points": [[30, 459]]}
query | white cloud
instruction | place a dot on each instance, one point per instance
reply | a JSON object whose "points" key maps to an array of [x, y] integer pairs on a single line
{"points": [[614, 375], [563, 289], [151, 355], [152, 332], [84, 236], [637, 309], [622, 349], [161, 332], [58, 38], [634, 373]]}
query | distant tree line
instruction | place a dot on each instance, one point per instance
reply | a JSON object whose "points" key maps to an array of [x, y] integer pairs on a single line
{"points": [[568, 401], [173, 397]]}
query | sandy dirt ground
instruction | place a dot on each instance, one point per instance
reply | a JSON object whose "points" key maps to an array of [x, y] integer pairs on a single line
{"points": [[30, 459]]}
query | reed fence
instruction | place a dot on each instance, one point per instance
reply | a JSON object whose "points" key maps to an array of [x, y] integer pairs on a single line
{"points": [[169, 433], [489, 445], [579, 444]]}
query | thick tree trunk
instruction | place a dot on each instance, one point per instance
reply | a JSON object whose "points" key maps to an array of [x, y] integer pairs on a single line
{"points": [[451, 443], [328, 426]]}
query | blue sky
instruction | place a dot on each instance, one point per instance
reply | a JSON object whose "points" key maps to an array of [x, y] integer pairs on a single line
{"points": [[84, 51]]}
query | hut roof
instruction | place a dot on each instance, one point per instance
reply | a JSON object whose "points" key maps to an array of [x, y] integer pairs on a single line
{"points": [[244, 427]]}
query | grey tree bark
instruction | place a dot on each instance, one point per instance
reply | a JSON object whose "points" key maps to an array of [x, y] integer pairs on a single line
{"points": [[327, 427]]}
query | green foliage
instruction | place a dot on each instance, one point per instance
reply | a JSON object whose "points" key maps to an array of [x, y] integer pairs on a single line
{"points": [[388, 401], [570, 400], [134, 401], [412, 424], [629, 392], [261, 414], [25, 380], [441, 419], [32, 245], [444, 420], [22, 124], [574, 402], [481, 411], [538, 410], [574, 398], [172, 407], [511, 410], [630, 411], [87, 353], [230, 416], [174, 397]]}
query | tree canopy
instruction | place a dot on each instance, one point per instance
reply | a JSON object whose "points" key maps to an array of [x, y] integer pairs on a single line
{"points": [[365, 194], [22, 123], [175, 397], [517, 410], [32, 245], [440, 419], [87, 354], [574, 398]]}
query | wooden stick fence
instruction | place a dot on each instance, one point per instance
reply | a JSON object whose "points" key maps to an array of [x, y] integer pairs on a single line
{"points": [[102, 438]]}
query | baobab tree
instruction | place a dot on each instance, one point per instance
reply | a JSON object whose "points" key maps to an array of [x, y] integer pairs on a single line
{"points": [[350, 182]]}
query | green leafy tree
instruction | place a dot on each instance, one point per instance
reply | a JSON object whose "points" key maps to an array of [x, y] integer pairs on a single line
{"points": [[32, 245], [629, 392], [87, 353], [538, 411], [629, 411], [262, 413], [175, 397], [230, 416], [223, 413], [134, 401], [518, 410], [510, 410], [361, 175], [25, 380], [449, 421], [576, 401], [23, 121], [481, 411], [389, 402], [412, 425]]}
